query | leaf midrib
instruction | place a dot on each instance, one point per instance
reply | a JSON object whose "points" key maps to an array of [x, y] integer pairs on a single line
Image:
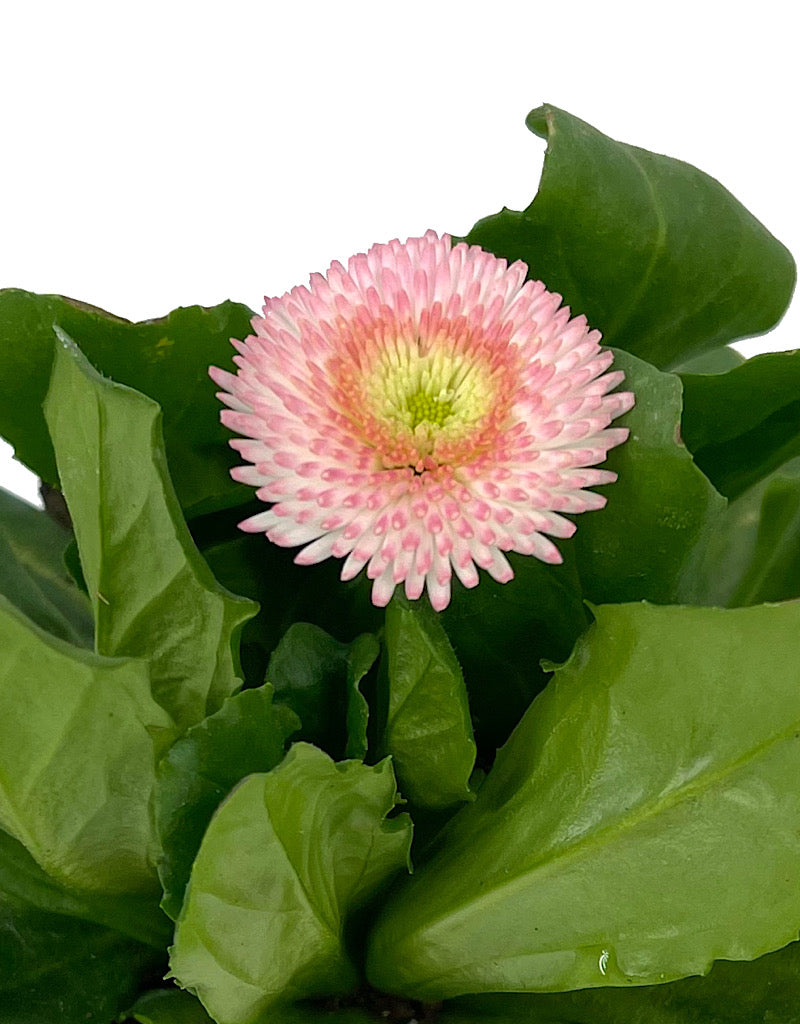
{"points": [[646, 812]]}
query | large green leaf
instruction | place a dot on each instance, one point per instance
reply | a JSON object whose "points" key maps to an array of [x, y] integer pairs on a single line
{"points": [[427, 727], [286, 859], [661, 512], [743, 424], [32, 572], [643, 820], [80, 736], [318, 678], [764, 991], [152, 594], [658, 255], [248, 734], [167, 359]]}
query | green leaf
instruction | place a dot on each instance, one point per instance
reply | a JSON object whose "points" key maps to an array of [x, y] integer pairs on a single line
{"points": [[287, 593], [762, 991], [658, 255], [743, 424], [318, 678], [662, 511], [56, 968], [286, 859], [643, 820], [248, 734], [774, 572], [168, 1006], [427, 729], [32, 572], [361, 656], [167, 359], [80, 736], [152, 594], [755, 555], [718, 360]]}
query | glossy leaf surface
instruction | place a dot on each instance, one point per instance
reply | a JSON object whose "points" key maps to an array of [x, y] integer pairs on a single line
{"points": [[763, 991], [167, 359], [152, 594], [637, 825], [427, 729], [656, 254], [288, 856], [248, 734]]}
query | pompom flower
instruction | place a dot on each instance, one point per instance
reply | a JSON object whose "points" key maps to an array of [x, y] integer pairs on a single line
{"points": [[420, 413]]}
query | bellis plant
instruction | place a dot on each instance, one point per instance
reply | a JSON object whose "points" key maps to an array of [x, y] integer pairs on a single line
{"points": [[446, 668]]}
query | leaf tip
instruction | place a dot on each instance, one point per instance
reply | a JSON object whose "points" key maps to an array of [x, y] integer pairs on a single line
{"points": [[539, 119]]}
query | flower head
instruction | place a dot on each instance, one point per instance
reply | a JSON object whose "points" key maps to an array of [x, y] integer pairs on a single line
{"points": [[419, 413]]}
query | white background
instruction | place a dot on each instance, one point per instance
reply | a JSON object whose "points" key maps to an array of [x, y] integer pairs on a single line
{"points": [[157, 154]]}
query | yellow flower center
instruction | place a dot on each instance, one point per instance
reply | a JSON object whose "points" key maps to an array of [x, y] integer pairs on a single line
{"points": [[424, 399], [425, 408]]}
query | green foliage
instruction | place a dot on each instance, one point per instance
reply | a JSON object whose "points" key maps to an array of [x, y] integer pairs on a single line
{"points": [[65, 957], [151, 593], [167, 359], [318, 678], [656, 254], [744, 424], [637, 825], [248, 734], [641, 822], [427, 728], [660, 511], [32, 572], [501, 632], [763, 991], [55, 968], [80, 735], [287, 857], [755, 555]]}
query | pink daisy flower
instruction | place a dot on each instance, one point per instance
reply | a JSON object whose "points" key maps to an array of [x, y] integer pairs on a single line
{"points": [[420, 413]]}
